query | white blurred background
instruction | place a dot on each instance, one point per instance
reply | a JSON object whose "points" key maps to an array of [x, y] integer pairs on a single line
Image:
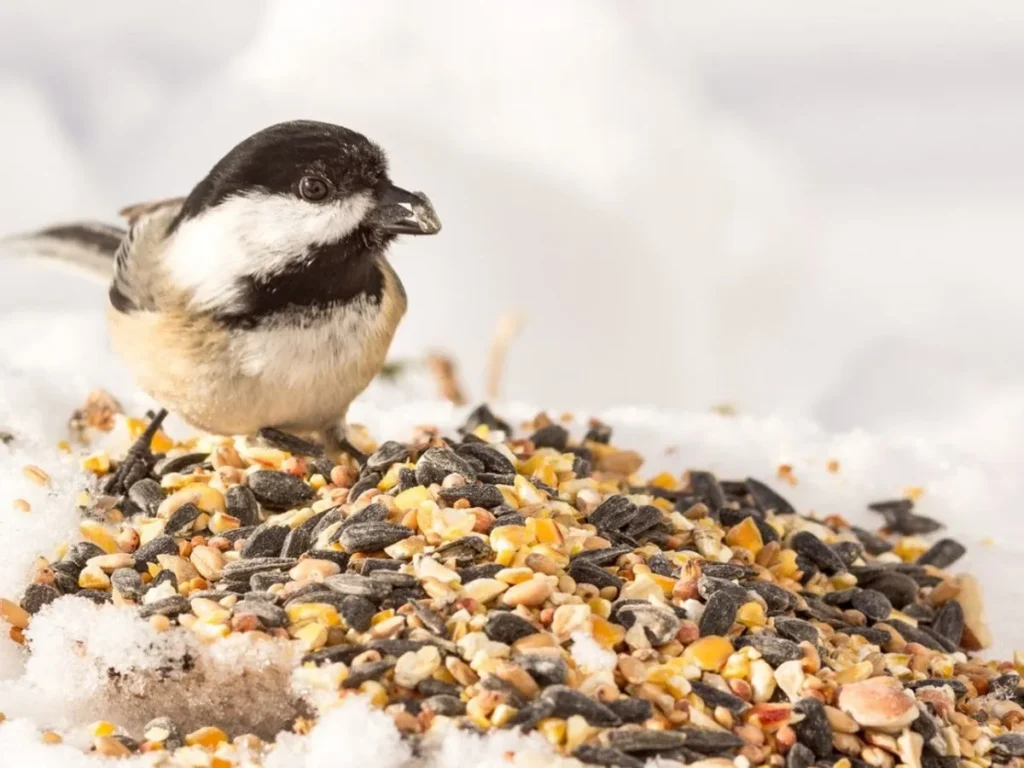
{"points": [[799, 208]]}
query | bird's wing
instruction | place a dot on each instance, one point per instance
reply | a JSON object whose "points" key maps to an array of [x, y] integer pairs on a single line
{"points": [[136, 274], [134, 213]]}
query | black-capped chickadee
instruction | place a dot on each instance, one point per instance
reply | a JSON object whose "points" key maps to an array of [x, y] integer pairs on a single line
{"points": [[265, 297]]}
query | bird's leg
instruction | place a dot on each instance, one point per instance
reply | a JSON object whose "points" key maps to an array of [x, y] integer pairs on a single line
{"points": [[139, 460], [335, 441]]}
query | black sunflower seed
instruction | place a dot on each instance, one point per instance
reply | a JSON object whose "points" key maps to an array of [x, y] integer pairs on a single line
{"points": [[512, 518], [482, 571], [551, 436], [372, 537], [181, 520], [661, 565], [710, 585], [495, 478], [244, 569], [873, 635], [849, 551], [777, 599], [601, 557], [613, 514], [389, 452], [644, 740], [178, 464], [289, 443], [797, 630], [98, 596], [705, 487], [437, 463], [486, 496], [362, 673], [872, 542], [768, 500], [466, 550], [814, 730], [265, 541], [544, 669], [396, 579], [270, 615], [395, 646], [241, 503], [368, 481], [709, 742], [357, 612], [169, 606], [432, 620], [587, 573], [434, 687], [279, 490], [331, 516], [261, 582], [494, 461], [445, 704], [528, 717], [873, 604], [335, 654], [660, 623], [727, 571], [716, 697], [840, 597], [730, 516], [818, 552], [83, 551], [922, 636], [483, 415], [799, 756], [358, 585], [898, 587], [943, 553], [631, 710], [38, 595], [720, 612], [568, 702], [507, 627], [146, 494], [128, 584], [775, 650], [949, 621], [593, 754], [1008, 745], [158, 545]]}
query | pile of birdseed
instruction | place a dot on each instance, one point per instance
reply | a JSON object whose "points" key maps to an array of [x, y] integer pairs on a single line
{"points": [[482, 583]]}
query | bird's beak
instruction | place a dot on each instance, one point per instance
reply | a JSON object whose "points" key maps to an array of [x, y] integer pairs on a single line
{"points": [[400, 212]]}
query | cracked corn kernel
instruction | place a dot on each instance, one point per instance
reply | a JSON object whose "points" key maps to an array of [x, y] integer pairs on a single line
{"points": [[411, 498], [323, 613], [785, 566], [312, 635], [13, 614], [709, 653], [95, 532], [746, 535], [751, 615], [102, 728], [553, 729], [92, 577], [160, 443], [208, 737], [98, 463], [502, 714]]}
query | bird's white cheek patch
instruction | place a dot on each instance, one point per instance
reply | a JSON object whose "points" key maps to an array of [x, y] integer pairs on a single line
{"points": [[253, 235]]}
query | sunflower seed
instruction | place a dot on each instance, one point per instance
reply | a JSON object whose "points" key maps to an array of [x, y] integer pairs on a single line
{"points": [[433, 621], [841, 597], [396, 579], [507, 627], [716, 697], [148, 553], [568, 702], [873, 635], [873, 604], [775, 650], [544, 669], [601, 557], [97, 596], [493, 460], [777, 599], [482, 415], [768, 500], [1008, 745], [128, 584], [727, 571], [178, 464], [898, 587], [279, 490], [814, 731], [265, 541], [169, 606], [437, 463], [613, 514], [660, 565], [631, 710], [445, 705], [368, 481], [261, 582], [588, 573], [358, 585], [711, 585], [949, 621], [486, 496], [180, 521], [705, 487], [643, 740], [243, 569], [270, 615], [799, 756], [283, 441], [372, 537], [849, 551], [719, 613], [797, 630], [466, 550], [362, 673], [38, 595], [814, 549], [357, 612], [943, 554], [83, 551], [295, 543], [873, 543], [146, 494], [660, 624], [482, 571], [710, 742], [551, 436]]}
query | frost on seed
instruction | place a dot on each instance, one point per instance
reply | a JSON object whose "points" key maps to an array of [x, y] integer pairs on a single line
{"points": [[589, 655]]}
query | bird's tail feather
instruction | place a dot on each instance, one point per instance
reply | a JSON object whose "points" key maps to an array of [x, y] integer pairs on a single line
{"points": [[85, 247]]}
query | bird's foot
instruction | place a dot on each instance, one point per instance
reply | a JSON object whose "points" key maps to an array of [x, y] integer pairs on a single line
{"points": [[335, 441], [138, 461]]}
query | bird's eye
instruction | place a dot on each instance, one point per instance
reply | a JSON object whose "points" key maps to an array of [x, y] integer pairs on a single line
{"points": [[313, 188]]}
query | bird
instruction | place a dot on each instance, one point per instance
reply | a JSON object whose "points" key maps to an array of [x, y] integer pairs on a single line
{"points": [[264, 299]]}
